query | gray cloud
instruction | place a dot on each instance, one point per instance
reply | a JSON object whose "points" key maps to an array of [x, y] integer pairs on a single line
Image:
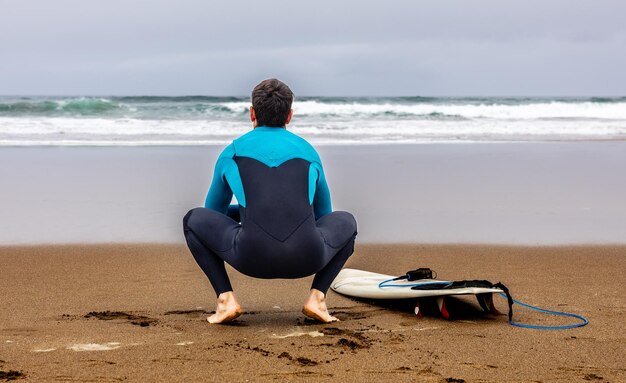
{"points": [[556, 47]]}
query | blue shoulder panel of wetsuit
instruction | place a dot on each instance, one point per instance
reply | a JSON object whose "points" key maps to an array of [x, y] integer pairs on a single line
{"points": [[272, 147]]}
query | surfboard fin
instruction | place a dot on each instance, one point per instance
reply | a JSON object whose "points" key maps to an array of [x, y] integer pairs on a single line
{"points": [[441, 303], [418, 311], [486, 303]]}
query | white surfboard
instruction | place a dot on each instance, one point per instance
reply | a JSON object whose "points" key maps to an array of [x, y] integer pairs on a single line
{"points": [[366, 284]]}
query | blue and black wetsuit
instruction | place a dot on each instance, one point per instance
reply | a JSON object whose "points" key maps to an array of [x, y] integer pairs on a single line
{"points": [[284, 226]]}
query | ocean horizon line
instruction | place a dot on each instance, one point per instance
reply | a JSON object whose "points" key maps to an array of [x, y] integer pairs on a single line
{"points": [[297, 96]]}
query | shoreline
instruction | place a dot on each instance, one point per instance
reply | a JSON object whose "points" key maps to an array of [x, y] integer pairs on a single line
{"points": [[59, 245], [137, 312], [119, 144]]}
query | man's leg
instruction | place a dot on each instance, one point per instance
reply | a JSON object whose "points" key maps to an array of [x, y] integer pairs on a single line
{"points": [[315, 305], [325, 277], [212, 265], [199, 222], [337, 228]]}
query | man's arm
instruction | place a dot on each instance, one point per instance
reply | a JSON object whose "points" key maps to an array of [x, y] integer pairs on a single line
{"points": [[220, 193], [321, 201]]}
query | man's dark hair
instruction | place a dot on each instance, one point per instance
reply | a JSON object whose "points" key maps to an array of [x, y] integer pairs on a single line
{"points": [[271, 100]]}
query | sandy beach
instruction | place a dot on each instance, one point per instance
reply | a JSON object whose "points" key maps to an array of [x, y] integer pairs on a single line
{"points": [[107, 313]]}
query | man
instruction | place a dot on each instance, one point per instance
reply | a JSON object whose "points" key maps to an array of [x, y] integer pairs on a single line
{"points": [[284, 226]]}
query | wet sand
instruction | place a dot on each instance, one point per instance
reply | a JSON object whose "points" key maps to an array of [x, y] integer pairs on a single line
{"points": [[504, 193], [112, 313]]}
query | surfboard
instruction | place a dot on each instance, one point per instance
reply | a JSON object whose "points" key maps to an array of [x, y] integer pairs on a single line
{"points": [[367, 284]]}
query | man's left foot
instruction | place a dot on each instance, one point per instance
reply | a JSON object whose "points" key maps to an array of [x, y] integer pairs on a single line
{"points": [[227, 309]]}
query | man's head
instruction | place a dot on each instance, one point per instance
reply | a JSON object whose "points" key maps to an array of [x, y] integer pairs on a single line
{"points": [[271, 103]]}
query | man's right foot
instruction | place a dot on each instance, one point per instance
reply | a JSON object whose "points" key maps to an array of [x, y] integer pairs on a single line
{"points": [[227, 309], [315, 308]]}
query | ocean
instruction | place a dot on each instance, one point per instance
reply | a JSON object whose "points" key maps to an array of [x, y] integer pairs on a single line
{"points": [[203, 120], [127, 169]]}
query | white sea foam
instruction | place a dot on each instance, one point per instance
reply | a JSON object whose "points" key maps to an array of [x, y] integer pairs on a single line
{"points": [[543, 110], [202, 121], [65, 131], [94, 346]]}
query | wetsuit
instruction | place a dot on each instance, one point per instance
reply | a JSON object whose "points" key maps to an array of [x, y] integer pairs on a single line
{"points": [[283, 227]]}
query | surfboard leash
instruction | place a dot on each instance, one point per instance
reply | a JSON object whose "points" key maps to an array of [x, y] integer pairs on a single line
{"points": [[583, 321], [506, 294], [426, 273], [510, 301]]}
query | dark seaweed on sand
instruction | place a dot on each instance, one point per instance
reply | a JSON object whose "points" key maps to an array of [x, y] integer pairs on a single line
{"points": [[138, 320], [11, 375]]}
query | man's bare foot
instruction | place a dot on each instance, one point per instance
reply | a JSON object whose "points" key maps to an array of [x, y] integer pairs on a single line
{"points": [[227, 308], [315, 307]]}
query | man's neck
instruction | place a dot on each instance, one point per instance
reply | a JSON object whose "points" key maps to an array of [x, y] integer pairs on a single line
{"points": [[268, 127]]}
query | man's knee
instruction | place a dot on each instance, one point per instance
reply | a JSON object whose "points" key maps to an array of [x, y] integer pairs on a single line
{"points": [[351, 227], [191, 218], [348, 221], [337, 228]]}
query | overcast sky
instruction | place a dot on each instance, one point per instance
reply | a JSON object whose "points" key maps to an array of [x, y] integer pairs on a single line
{"points": [[328, 48]]}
